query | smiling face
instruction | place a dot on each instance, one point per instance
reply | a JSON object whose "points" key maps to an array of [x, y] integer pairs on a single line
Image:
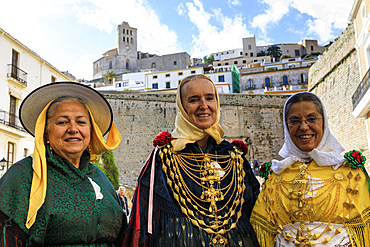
{"points": [[69, 131], [198, 98], [305, 136]]}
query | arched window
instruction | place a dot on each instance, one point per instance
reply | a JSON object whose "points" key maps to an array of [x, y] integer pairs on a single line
{"points": [[267, 82], [250, 83], [153, 65], [110, 64], [303, 78], [127, 64], [285, 80]]}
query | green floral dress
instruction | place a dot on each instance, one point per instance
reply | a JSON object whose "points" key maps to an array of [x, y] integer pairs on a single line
{"points": [[71, 214]]}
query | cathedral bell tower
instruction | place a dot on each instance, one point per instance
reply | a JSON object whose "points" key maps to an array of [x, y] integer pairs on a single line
{"points": [[127, 45]]}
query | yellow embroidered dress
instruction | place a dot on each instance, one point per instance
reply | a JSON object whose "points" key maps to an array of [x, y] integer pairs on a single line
{"points": [[313, 205]]}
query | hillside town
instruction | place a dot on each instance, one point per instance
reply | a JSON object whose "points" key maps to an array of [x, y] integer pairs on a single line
{"points": [[250, 153]]}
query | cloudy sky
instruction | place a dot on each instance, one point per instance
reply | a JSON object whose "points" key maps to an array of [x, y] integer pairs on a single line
{"points": [[72, 34]]}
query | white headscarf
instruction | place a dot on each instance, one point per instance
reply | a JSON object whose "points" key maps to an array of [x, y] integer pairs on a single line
{"points": [[327, 153]]}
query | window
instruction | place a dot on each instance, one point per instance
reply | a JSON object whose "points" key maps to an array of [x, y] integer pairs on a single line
{"points": [[221, 78], [251, 54], [235, 62], [123, 39], [168, 84], [118, 84], [53, 79], [249, 47], [127, 64], [192, 72], [285, 80], [303, 78], [110, 66], [155, 77], [241, 53], [13, 103], [10, 155], [132, 40], [153, 65], [311, 47], [25, 153], [246, 54], [155, 85], [167, 75], [179, 82], [174, 62], [130, 32], [123, 31], [226, 63], [218, 64], [250, 83], [180, 73], [126, 31], [296, 52], [267, 82], [15, 58], [244, 61]]}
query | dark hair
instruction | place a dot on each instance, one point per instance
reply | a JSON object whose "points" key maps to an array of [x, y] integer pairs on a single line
{"points": [[53, 106], [300, 97]]}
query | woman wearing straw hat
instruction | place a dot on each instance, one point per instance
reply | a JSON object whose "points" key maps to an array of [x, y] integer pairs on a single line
{"points": [[195, 188], [56, 197]]}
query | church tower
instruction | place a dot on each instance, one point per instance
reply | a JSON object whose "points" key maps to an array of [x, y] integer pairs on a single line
{"points": [[127, 45]]}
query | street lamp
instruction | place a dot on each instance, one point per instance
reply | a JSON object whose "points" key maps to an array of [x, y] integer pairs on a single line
{"points": [[3, 163]]}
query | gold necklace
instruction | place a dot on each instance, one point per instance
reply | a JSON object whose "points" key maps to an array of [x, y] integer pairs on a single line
{"points": [[203, 210]]}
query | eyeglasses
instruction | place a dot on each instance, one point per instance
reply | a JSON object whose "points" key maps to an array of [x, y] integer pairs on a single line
{"points": [[298, 121]]}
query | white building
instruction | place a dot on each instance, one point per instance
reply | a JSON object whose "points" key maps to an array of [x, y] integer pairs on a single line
{"points": [[21, 71], [169, 80]]}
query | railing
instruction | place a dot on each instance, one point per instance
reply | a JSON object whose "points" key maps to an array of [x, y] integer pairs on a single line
{"points": [[361, 90], [17, 73], [11, 120]]}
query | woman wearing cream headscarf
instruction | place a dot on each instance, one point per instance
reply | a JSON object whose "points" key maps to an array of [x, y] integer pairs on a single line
{"points": [[195, 189], [56, 197], [315, 196]]}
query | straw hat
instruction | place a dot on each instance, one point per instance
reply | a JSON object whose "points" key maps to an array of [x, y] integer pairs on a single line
{"points": [[36, 101]]}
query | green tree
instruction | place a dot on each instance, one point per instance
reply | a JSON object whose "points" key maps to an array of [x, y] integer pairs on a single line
{"points": [[108, 166], [209, 59], [274, 51], [261, 54], [109, 76]]}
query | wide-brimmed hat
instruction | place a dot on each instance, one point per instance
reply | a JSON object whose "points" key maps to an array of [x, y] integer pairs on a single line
{"points": [[36, 101]]}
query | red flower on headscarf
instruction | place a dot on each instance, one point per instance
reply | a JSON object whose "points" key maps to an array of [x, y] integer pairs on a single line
{"points": [[162, 138], [241, 146], [355, 159]]}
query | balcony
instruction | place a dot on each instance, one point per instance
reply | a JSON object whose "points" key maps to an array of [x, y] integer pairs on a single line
{"points": [[17, 74], [361, 90], [10, 120]]}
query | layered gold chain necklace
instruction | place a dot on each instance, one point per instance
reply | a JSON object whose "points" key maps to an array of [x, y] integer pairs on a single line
{"points": [[211, 211]]}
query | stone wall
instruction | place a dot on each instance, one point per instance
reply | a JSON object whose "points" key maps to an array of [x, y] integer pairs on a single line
{"points": [[334, 78], [255, 119]]}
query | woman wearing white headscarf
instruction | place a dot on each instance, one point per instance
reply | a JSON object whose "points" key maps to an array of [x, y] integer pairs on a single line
{"points": [[195, 188], [315, 196]]}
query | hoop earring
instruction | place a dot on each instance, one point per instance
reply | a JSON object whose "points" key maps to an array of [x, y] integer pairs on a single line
{"points": [[51, 149]]}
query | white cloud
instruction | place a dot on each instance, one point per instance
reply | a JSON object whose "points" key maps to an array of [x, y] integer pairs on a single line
{"points": [[326, 15], [275, 11], [227, 35], [234, 2], [106, 15]]}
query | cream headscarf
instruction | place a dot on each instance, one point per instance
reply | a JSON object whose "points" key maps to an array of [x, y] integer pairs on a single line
{"points": [[39, 179], [186, 132], [327, 153]]}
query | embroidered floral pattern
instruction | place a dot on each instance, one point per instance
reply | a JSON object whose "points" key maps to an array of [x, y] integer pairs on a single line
{"points": [[241, 146], [355, 159], [265, 170], [162, 139]]}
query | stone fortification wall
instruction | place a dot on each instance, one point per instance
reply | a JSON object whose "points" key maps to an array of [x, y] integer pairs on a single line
{"points": [[255, 119], [334, 78]]}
